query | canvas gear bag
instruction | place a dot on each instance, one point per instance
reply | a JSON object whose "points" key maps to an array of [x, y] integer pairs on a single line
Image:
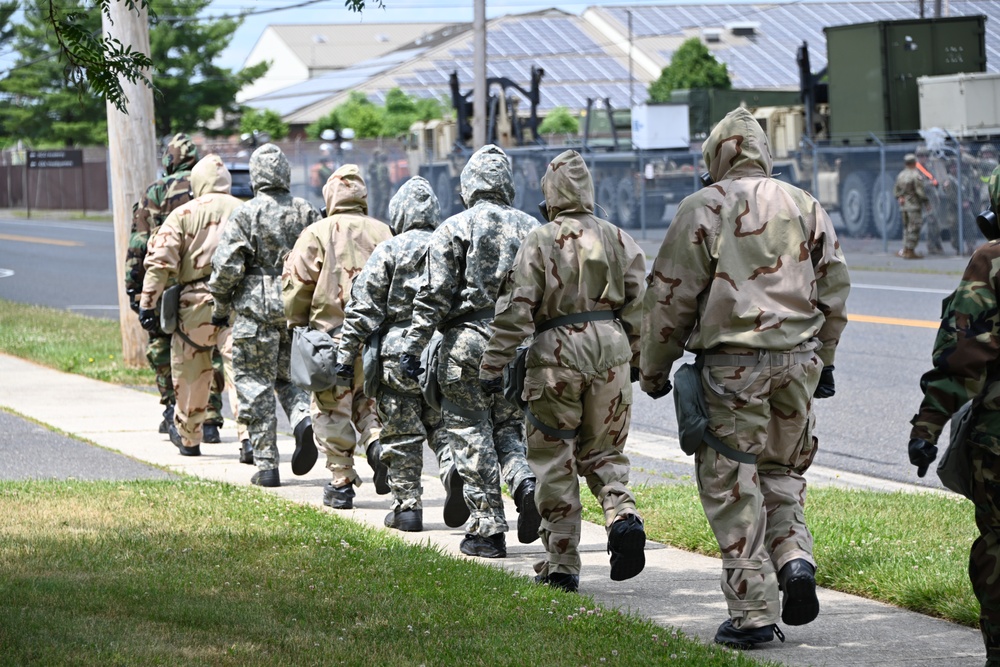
{"points": [[429, 380], [513, 378], [314, 359], [954, 468], [692, 416], [170, 308], [371, 362]]}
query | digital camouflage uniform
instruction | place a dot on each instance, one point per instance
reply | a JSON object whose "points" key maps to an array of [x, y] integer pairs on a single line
{"points": [[578, 376], [162, 197], [467, 257], [912, 198], [246, 278], [181, 251], [749, 266], [382, 299], [967, 365], [316, 285]]}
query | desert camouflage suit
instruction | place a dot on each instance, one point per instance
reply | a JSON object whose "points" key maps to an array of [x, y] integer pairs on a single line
{"points": [[912, 197], [316, 284], [467, 257], [750, 268], [578, 376], [246, 277], [382, 299], [181, 251], [967, 365], [162, 197]]}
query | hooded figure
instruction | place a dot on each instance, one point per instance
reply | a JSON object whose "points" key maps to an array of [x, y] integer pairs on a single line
{"points": [[246, 278], [382, 302], [966, 358], [316, 285], [751, 279], [576, 286], [467, 257], [181, 251]]}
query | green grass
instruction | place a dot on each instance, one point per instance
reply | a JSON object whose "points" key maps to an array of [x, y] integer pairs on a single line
{"points": [[69, 342], [203, 573], [910, 550]]}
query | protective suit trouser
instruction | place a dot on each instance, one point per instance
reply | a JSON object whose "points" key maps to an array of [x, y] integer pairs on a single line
{"points": [[336, 413], [757, 511], [194, 375], [984, 557], [159, 356], [599, 407], [225, 347]]}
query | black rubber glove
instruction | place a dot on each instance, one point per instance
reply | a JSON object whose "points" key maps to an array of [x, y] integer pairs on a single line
{"points": [[220, 321], [133, 300], [345, 372], [148, 319], [494, 386], [662, 391], [411, 366], [825, 388], [633, 374], [922, 455]]}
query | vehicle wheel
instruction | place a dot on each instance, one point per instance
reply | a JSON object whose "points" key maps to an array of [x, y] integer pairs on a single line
{"points": [[626, 203], [445, 192], [855, 203], [885, 211], [606, 199]]}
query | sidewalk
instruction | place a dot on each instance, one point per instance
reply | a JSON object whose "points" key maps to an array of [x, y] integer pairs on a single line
{"points": [[677, 589]]}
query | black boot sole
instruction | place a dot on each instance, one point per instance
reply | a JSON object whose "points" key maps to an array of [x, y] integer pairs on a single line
{"points": [[528, 520], [211, 436], [305, 454], [406, 522], [631, 558], [799, 605], [246, 457], [380, 474], [455, 511]]}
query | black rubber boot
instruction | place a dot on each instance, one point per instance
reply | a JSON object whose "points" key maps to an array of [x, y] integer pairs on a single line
{"points": [[564, 582], [380, 471], [626, 544], [456, 512], [246, 452], [304, 456], [168, 419], [728, 635], [266, 478], [528, 518], [175, 438], [494, 546], [338, 497], [409, 521], [797, 581], [210, 434]]}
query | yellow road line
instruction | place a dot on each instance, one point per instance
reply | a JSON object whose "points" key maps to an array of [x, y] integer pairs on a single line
{"points": [[924, 324], [36, 239]]}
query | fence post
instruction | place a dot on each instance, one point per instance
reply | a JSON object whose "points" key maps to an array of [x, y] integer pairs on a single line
{"points": [[881, 175]]}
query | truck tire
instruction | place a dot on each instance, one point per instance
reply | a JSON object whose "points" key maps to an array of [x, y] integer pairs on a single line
{"points": [[626, 204], [885, 210], [856, 203], [606, 199]]}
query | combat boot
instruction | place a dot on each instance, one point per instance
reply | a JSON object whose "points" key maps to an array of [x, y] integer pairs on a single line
{"points": [[456, 512], [380, 470], [744, 640], [564, 582], [168, 419], [409, 521], [304, 456], [175, 438], [494, 546], [528, 518], [246, 452], [339, 497], [626, 544], [210, 434], [797, 581], [266, 478]]}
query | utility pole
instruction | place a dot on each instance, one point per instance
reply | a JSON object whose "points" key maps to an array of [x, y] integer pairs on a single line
{"points": [[479, 73], [132, 156]]}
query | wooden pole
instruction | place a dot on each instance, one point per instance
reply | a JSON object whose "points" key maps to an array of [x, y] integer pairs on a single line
{"points": [[479, 91], [132, 157]]}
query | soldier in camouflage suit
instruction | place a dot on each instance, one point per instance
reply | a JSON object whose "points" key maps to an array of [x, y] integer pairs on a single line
{"points": [[316, 284], [246, 277], [750, 277], [578, 376], [162, 197], [181, 251], [967, 366], [912, 198], [382, 300], [467, 257]]}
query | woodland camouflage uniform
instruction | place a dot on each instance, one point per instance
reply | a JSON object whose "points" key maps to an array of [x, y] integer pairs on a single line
{"points": [[967, 365], [246, 278], [382, 299], [912, 197], [750, 266], [467, 257], [578, 375], [181, 251], [316, 284]]}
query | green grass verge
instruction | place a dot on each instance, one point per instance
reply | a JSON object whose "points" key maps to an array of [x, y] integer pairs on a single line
{"points": [[205, 573], [910, 550], [74, 343]]}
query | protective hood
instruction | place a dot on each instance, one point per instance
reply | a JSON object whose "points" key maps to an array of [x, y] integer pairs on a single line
{"points": [[181, 154], [414, 206], [345, 191], [269, 169], [567, 185], [488, 176], [210, 175], [737, 147]]}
